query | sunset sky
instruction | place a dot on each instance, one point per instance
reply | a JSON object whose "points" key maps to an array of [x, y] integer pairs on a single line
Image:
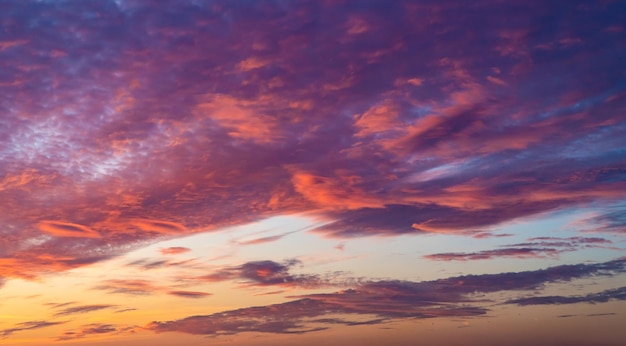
{"points": [[320, 172]]}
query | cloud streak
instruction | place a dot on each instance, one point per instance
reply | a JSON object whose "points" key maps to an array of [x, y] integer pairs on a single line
{"points": [[539, 247], [450, 297], [82, 309], [30, 325], [601, 297]]}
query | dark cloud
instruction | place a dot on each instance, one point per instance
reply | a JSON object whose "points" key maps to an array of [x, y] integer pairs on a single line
{"points": [[602, 314], [601, 297], [538, 247], [189, 294], [489, 254], [82, 309], [266, 273], [451, 297], [280, 318]]}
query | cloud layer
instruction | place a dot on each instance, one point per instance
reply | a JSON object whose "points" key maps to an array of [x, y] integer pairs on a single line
{"points": [[122, 124], [378, 302]]}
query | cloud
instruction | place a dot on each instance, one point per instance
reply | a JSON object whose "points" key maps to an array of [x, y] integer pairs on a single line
{"points": [[133, 286], [82, 309], [144, 287], [189, 294], [66, 229], [538, 247], [4, 333], [266, 273], [175, 250], [147, 264], [601, 297], [386, 300], [610, 221], [263, 240], [158, 226], [92, 329], [279, 318], [133, 138], [489, 254]]}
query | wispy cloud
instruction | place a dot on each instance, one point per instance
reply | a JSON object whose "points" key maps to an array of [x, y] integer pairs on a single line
{"points": [[83, 309], [189, 294], [601, 297], [94, 329], [489, 254], [174, 250], [131, 286], [538, 247], [28, 326], [140, 287]]}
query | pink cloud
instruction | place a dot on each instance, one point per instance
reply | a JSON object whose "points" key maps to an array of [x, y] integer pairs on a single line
{"points": [[175, 250]]}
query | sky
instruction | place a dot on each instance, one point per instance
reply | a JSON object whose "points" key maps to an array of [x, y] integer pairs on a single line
{"points": [[337, 172]]}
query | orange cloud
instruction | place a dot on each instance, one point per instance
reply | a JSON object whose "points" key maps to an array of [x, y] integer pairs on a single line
{"points": [[158, 226], [239, 118], [175, 250], [67, 229], [338, 192]]}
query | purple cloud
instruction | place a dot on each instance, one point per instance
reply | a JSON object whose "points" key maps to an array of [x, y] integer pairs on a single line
{"points": [[601, 297], [451, 297], [266, 273], [391, 119], [489, 254], [538, 247]]}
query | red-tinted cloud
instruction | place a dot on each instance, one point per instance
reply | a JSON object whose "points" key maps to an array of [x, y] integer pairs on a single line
{"points": [[66, 229], [174, 250]]}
